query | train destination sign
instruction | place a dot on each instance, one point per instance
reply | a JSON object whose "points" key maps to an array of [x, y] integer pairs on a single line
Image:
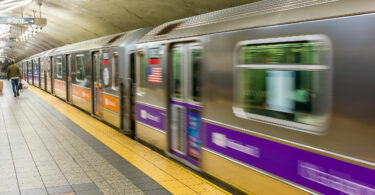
{"points": [[23, 21]]}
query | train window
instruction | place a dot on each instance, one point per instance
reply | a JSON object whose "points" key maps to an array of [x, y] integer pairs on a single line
{"points": [[177, 72], [115, 72], [196, 65], [282, 53], [141, 63], [41, 68], [80, 67], [59, 68], [36, 67], [284, 81], [47, 62]]}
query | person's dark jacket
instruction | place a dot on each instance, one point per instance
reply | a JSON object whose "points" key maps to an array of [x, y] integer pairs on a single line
{"points": [[13, 71]]}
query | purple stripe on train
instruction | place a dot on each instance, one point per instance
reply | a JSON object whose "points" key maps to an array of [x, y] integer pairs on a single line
{"points": [[151, 116], [317, 172]]}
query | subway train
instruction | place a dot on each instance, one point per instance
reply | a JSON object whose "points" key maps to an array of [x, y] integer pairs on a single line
{"points": [[269, 97]]}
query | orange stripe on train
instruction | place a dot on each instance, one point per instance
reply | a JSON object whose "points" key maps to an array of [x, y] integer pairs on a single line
{"points": [[60, 85], [111, 103], [82, 92]]}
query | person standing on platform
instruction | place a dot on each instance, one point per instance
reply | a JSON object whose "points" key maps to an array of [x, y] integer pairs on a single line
{"points": [[14, 74]]}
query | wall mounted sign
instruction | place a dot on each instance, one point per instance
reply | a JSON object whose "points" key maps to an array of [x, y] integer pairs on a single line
{"points": [[23, 21]]}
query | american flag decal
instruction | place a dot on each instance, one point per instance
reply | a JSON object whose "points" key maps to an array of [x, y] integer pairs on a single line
{"points": [[154, 75]]}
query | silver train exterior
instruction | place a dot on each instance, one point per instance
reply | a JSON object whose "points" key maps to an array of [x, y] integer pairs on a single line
{"points": [[273, 96], [89, 75], [270, 97]]}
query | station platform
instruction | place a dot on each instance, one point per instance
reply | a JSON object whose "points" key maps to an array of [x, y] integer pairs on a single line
{"points": [[50, 147]]}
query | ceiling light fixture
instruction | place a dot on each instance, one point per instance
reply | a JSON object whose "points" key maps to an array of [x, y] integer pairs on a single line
{"points": [[12, 4]]}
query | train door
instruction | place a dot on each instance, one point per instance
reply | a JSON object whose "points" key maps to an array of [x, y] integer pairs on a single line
{"points": [[32, 71], [185, 103], [42, 74], [39, 73], [130, 115], [23, 70], [97, 84], [49, 74], [36, 75], [45, 72], [69, 95], [29, 72], [52, 75]]}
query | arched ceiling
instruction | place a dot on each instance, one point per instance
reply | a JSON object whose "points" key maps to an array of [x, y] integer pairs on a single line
{"points": [[70, 21]]}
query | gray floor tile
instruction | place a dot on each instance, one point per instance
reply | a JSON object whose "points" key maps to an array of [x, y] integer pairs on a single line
{"points": [[59, 189], [157, 192], [84, 187], [89, 192], [149, 186], [14, 192], [142, 180], [37, 191]]}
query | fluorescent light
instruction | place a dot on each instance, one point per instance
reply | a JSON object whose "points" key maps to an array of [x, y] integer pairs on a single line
{"points": [[5, 1], [13, 5]]}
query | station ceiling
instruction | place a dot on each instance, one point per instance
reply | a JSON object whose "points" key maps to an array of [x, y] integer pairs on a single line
{"points": [[70, 21]]}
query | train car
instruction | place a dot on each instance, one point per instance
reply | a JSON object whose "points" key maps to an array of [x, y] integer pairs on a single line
{"points": [[88, 75], [273, 96]]}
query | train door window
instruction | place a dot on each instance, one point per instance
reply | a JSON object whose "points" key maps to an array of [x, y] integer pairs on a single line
{"points": [[80, 67], [284, 81], [41, 68], [59, 68], [177, 55], [48, 68], [36, 67], [195, 52], [96, 68], [142, 70], [68, 65], [115, 72], [132, 67]]}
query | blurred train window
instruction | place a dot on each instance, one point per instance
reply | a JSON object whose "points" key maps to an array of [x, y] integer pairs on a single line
{"points": [[196, 60], [284, 83], [80, 67], [48, 64], [142, 70], [115, 72], [59, 68], [36, 67], [177, 76], [41, 68], [282, 53]]}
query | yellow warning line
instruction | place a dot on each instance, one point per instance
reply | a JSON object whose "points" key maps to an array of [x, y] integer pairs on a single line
{"points": [[169, 174]]}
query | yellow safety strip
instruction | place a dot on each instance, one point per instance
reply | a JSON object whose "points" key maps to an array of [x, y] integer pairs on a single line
{"points": [[169, 174]]}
